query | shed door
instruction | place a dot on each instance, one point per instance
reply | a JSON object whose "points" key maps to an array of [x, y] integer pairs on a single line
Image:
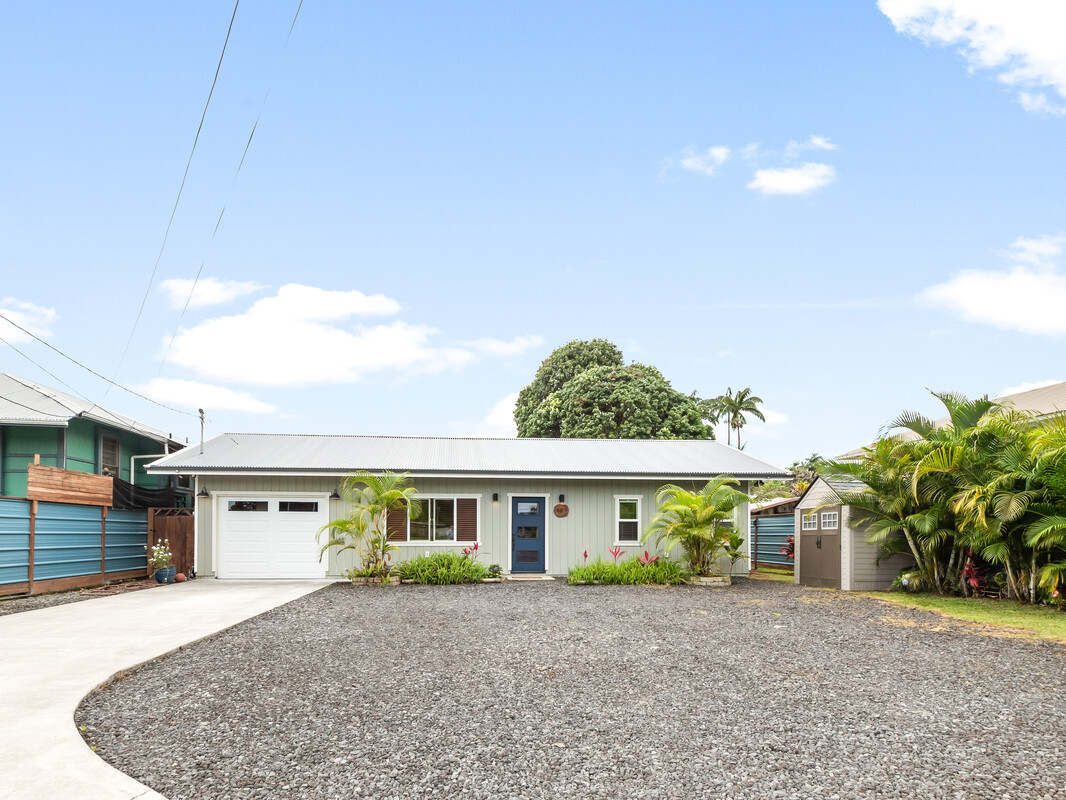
{"points": [[820, 559], [270, 537], [527, 534]]}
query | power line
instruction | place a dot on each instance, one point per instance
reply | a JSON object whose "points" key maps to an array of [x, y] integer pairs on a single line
{"points": [[244, 155], [93, 371], [177, 200]]}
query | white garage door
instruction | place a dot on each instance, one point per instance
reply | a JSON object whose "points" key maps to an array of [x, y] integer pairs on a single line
{"points": [[270, 537]]}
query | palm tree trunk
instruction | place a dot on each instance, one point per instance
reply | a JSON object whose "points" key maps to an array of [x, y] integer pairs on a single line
{"points": [[1032, 578], [1012, 585], [922, 566]]}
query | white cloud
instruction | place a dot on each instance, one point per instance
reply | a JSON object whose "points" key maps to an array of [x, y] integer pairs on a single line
{"points": [[499, 421], [706, 162], [803, 179], [1019, 41], [496, 347], [1025, 387], [194, 394], [36, 319], [1028, 296], [750, 151], [794, 148], [1040, 252], [773, 417], [208, 291], [294, 338]]}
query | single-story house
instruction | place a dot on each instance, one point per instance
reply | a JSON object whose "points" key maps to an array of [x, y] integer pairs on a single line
{"points": [[831, 550], [73, 434], [532, 505]]}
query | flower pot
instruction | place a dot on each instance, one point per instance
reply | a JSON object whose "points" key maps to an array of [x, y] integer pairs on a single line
{"points": [[712, 580], [165, 574]]}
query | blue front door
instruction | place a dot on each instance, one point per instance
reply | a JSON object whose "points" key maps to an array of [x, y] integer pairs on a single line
{"points": [[527, 534]]}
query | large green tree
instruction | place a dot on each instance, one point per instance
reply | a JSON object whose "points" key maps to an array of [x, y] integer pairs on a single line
{"points": [[584, 390]]}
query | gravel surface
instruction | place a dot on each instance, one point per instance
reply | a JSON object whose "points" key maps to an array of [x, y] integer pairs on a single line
{"points": [[762, 690]]}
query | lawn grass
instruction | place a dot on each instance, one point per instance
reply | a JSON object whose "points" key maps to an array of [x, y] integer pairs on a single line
{"points": [[1039, 621], [771, 574]]}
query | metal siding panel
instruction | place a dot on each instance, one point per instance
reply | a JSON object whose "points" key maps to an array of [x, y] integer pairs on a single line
{"points": [[14, 541], [66, 541], [125, 539], [773, 531]]}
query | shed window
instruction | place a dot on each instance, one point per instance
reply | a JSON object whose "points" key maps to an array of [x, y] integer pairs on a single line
{"points": [[810, 521], [627, 520], [830, 520]]}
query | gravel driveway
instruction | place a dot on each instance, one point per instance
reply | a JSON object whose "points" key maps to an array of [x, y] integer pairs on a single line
{"points": [[543, 690]]}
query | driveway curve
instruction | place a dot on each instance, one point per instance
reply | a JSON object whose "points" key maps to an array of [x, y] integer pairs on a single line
{"points": [[50, 659]]}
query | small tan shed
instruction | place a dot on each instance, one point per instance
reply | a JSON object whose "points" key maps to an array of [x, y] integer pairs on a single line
{"points": [[832, 554]]}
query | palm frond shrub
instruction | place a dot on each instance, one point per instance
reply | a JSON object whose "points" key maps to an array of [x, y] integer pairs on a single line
{"points": [[365, 529], [696, 521]]}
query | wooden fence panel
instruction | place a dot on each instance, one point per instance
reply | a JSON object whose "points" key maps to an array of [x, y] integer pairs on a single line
{"points": [[175, 525]]}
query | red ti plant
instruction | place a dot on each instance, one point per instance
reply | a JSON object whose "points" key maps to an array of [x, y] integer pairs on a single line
{"points": [[789, 548], [585, 557], [471, 552], [647, 559], [615, 552], [969, 574]]}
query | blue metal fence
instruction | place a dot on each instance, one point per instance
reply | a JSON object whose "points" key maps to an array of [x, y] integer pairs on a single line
{"points": [[771, 533], [66, 543], [14, 541], [126, 535]]}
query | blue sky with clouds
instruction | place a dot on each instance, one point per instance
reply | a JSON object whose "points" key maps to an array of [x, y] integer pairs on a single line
{"points": [[838, 204]]}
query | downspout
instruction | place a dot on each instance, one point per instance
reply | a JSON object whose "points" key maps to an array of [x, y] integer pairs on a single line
{"points": [[133, 475]]}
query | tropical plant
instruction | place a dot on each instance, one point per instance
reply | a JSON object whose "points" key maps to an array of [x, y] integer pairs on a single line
{"points": [[440, 569], [365, 529], [696, 521], [732, 408], [636, 571]]}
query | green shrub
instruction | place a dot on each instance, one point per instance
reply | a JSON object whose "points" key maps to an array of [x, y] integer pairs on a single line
{"points": [[440, 569], [629, 572]]}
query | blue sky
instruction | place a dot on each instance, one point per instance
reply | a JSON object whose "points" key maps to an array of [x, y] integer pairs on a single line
{"points": [[838, 204]]}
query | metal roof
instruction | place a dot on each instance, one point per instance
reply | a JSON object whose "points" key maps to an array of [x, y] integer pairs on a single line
{"points": [[24, 402], [293, 453]]}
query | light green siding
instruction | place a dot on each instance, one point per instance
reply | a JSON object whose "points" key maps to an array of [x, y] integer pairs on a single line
{"points": [[590, 524], [20, 444], [75, 447]]}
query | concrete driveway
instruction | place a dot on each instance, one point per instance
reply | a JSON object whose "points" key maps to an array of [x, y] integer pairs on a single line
{"points": [[51, 658]]}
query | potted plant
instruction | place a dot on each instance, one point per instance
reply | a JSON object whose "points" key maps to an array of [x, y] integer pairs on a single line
{"points": [[161, 560], [697, 521]]}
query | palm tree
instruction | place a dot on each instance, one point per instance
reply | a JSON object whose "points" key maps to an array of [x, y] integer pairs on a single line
{"points": [[365, 529], [733, 407], [695, 520]]}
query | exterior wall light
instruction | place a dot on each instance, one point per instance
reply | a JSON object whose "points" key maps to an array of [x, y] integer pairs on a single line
{"points": [[203, 492], [562, 498], [495, 497]]}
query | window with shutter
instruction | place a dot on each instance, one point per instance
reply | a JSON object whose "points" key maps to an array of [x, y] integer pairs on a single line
{"points": [[442, 520]]}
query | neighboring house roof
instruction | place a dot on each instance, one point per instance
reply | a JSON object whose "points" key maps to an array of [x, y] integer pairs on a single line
{"points": [[766, 505], [24, 402], [1047, 401], [293, 453]]}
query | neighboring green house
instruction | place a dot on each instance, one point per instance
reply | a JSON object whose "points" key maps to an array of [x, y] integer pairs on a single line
{"points": [[72, 434]]}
